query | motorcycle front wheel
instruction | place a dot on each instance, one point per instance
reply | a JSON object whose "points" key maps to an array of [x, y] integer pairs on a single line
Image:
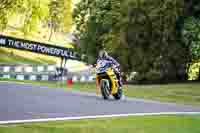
{"points": [[105, 88]]}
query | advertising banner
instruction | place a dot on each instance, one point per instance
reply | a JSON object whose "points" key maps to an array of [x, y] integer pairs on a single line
{"points": [[37, 47]]}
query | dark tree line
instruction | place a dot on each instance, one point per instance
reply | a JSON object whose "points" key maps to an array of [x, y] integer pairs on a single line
{"points": [[145, 36]]}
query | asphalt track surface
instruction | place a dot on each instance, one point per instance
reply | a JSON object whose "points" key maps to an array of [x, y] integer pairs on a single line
{"points": [[26, 101]]}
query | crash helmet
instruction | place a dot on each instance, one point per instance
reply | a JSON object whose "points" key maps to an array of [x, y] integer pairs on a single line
{"points": [[103, 54]]}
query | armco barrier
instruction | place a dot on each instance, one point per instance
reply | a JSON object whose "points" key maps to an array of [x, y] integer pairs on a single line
{"points": [[38, 72]]}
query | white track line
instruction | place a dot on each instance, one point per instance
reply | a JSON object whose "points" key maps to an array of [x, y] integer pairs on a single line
{"points": [[97, 116], [16, 82]]}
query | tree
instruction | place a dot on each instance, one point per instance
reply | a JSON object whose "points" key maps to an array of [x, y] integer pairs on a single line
{"points": [[190, 33], [191, 36], [95, 22], [151, 34], [33, 15], [141, 34], [56, 16], [67, 15], [7, 8]]}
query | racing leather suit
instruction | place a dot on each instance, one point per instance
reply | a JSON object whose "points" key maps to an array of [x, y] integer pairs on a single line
{"points": [[115, 66]]}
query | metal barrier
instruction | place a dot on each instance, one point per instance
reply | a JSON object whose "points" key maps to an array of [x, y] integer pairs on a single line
{"points": [[39, 72]]}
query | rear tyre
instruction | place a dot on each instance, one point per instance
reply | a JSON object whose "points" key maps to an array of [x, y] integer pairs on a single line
{"points": [[118, 95], [105, 88]]}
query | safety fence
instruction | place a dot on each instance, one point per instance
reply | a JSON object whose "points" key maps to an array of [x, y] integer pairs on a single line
{"points": [[41, 72]]}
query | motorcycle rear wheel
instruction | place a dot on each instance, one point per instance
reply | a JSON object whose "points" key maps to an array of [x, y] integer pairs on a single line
{"points": [[118, 95]]}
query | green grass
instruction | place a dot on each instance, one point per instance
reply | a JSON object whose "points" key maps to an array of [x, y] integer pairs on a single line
{"points": [[188, 94], [179, 93], [9, 58], [136, 124]]}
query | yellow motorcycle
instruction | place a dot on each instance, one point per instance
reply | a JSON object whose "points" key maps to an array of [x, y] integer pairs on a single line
{"points": [[107, 81]]}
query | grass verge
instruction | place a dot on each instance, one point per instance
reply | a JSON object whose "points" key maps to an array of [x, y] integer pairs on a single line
{"points": [[136, 124], [12, 58]]}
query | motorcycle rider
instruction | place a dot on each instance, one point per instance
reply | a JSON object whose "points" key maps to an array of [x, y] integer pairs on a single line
{"points": [[103, 55]]}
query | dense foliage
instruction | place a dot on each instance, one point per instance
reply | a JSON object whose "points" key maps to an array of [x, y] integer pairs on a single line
{"points": [[158, 39], [191, 36], [143, 35], [8, 7], [53, 14], [191, 39], [96, 22]]}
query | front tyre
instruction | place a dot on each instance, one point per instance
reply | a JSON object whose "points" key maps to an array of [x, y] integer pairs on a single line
{"points": [[118, 95], [105, 88]]}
